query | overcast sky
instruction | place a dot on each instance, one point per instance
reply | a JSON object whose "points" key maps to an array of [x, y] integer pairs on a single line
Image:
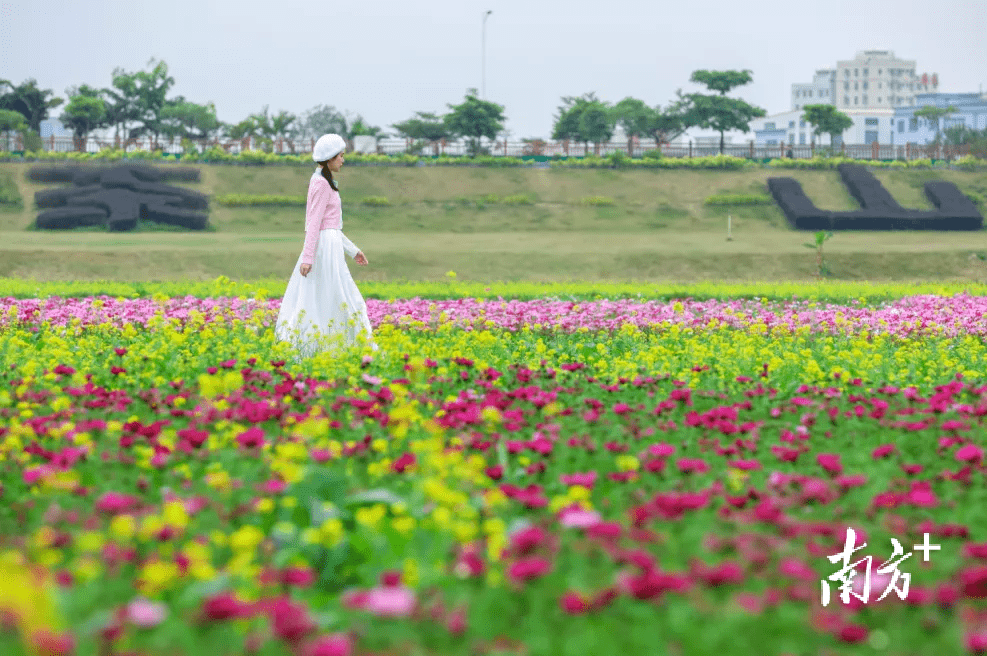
{"points": [[386, 59]]}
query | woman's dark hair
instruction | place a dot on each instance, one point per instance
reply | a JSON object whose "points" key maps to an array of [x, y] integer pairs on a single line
{"points": [[327, 174]]}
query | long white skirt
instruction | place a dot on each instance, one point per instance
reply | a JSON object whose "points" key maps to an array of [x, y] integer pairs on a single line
{"points": [[324, 310]]}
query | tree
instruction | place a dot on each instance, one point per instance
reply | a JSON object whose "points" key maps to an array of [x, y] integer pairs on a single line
{"points": [[826, 119], [961, 135], [668, 123], [634, 116], [718, 112], [11, 121], [423, 126], [188, 120], [85, 111], [28, 100], [322, 119], [474, 118], [933, 115], [359, 128], [123, 102], [567, 120], [151, 88], [596, 124]]}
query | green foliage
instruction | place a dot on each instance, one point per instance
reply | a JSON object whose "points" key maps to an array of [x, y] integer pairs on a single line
{"points": [[652, 154], [595, 123], [517, 199], [11, 121], [475, 118], [424, 126], [598, 201], [738, 199], [971, 163], [722, 81], [85, 111], [817, 245], [28, 100], [10, 197], [826, 119], [253, 200], [718, 112], [376, 201], [189, 120]]}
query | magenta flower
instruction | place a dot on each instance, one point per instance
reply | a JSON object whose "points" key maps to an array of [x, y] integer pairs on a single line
{"points": [[114, 502], [383, 601], [573, 603], [970, 453], [578, 518], [224, 606], [251, 438], [337, 644], [526, 569], [831, 463]]}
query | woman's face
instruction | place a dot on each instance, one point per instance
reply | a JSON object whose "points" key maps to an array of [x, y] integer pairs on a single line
{"points": [[336, 163]]}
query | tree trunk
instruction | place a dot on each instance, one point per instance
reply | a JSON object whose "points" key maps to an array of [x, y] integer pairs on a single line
{"points": [[721, 142]]}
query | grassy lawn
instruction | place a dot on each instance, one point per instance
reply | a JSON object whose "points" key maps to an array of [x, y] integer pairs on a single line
{"points": [[442, 219]]}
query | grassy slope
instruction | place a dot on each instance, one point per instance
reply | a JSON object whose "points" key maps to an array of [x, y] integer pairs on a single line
{"points": [[658, 229]]}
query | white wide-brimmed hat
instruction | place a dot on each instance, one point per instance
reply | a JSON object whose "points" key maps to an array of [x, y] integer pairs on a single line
{"points": [[327, 147]]}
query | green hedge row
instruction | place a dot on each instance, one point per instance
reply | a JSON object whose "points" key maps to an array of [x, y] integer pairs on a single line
{"points": [[738, 199], [617, 160]]}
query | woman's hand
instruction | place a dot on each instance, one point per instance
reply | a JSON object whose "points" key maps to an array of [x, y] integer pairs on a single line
{"points": [[304, 269], [361, 259]]}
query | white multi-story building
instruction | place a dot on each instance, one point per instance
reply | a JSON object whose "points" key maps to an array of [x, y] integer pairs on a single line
{"points": [[818, 92], [874, 79]]}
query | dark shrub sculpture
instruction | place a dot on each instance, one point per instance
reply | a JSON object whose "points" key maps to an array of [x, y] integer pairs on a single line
{"points": [[878, 209], [117, 197]]}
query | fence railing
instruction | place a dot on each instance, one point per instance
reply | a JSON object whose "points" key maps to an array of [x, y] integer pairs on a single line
{"points": [[533, 148]]}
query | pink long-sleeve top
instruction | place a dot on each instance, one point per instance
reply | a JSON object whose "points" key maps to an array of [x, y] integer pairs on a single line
{"points": [[323, 211]]}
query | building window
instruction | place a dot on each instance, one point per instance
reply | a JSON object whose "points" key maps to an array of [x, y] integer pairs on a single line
{"points": [[878, 100], [846, 72], [864, 99], [856, 73], [913, 124], [865, 85], [865, 72], [846, 86], [810, 93], [878, 71], [791, 124], [802, 123], [769, 126], [855, 98], [901, 126], [791, 138], [771, 142], [870, 121], [801, 138], [856, 86]]}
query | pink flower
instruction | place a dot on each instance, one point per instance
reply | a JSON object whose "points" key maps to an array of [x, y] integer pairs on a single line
{"points": [[289, 620], [573, 603], [883, 451], [692, 465], [526, 569], [250, 438], [223, 606], [337, 644], [114, 502], [830, 462], [969, 453], [852, 633], [145, 613], [579, 518], [383, 601]]}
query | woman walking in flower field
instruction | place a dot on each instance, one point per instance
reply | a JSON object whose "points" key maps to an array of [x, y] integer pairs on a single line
{"points": [[322, 301]]}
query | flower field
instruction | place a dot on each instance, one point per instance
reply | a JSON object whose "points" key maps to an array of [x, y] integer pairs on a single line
{"points": [[556, 474]]}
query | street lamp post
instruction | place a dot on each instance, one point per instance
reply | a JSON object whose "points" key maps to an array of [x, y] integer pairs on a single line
{"points": [[483, 56]]}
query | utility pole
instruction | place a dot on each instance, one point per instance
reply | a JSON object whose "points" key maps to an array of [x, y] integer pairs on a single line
{"points": [[483, 56]]}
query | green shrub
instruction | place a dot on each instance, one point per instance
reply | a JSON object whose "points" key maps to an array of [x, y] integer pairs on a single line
{"points": [[10, 197], [652, 154], [490, 199], [376, 201], [970, 163], [598, 201], [253, 200], [517, 199], [738, 199]]}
